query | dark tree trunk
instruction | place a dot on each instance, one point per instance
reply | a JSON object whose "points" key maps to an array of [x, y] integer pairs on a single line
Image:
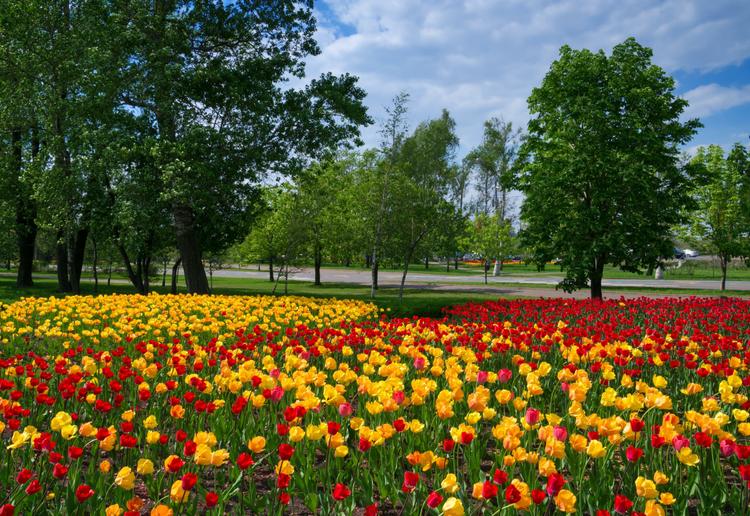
{"points": [[426, 262], [146, 269], [375, 267], [595, 278], [723, 262], [270, 268], [76, 266], [109, 273], [318, 262], [190, 250], [368, 261], [455, 263], [94, 267], [486, 270], [175, 268], [348, 262], [26, 228], [134, 276], [447, 264], [164, 275], [61, 254]]}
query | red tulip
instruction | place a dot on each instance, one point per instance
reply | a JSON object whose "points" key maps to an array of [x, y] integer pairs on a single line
{"points": [[489, 490], [83, 493], [245, 460], [175, 464], [633, 453], [622, 504], [283, 481], [538, 496], [434, 499], [59, 471], [24, 475], [341, 492], [512, 494], [411, 480], [500, 477], [555, 483], [285, 451], [33, 487], [211, 499], [189, 480]]}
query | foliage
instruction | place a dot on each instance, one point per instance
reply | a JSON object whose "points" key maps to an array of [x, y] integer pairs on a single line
{"points": [[721, 222], [602, 176]]}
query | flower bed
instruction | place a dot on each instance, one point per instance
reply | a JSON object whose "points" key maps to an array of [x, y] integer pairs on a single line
{"points": [[167, 404]]}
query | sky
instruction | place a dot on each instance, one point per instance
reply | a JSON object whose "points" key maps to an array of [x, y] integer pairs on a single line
{"points": [[481, 58]]}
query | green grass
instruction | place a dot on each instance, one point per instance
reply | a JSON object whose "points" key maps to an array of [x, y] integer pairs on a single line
{"points": [[417, 301]]}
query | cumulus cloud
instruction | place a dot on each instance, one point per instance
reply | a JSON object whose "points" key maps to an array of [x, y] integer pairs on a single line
{"points": [[711, 98], [481, 58]]}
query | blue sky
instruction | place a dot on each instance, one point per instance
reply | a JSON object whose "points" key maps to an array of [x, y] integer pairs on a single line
{"points": [[481, 58]]}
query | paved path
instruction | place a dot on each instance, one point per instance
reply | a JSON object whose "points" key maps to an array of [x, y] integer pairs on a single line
{"points": [[516, 286], [393, 278]]}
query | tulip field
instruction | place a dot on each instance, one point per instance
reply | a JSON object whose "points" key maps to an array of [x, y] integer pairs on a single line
{"points": [[268, 405]]}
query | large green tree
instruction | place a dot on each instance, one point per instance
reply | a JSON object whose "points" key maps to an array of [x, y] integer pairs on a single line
{"points": [[720, 224], [601, 174], [213, 76]]}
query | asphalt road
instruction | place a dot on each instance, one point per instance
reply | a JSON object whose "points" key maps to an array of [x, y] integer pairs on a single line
{"points": [[473, 282]]}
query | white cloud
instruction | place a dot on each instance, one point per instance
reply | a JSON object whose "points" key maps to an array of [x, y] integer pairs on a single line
{"points": [[708, 99], [481, 58]]}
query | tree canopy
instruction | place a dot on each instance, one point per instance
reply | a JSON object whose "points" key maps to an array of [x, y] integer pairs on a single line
{"points": [[602, 173]]}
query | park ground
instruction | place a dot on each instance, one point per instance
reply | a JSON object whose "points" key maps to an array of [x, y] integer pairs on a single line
{"points": [[427, 290]]}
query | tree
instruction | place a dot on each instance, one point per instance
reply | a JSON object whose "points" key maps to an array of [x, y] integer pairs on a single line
{"points": [[601, 170], [720, 223], [211, 75], [325, 207], [493, 160], [490, 238], [424, 174], [392, 134]]}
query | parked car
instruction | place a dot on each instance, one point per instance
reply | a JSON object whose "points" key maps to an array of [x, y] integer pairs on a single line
{"points": [[679, 253], [689, 253]]}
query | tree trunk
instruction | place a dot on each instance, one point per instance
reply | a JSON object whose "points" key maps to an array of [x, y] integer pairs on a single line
{"points": [[318, 263], [374, 273], [26, 228], [175, 268], [595, 277], [486, 270], [426, 262], [190, 250], [368, 261], [447, 264], [96, 274], [133, 276], [407, 261], [109, 272], [270, 268], [146, 268], [61, 254], [164, 275], [455, 263], [76, 267], [724, 262]]}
